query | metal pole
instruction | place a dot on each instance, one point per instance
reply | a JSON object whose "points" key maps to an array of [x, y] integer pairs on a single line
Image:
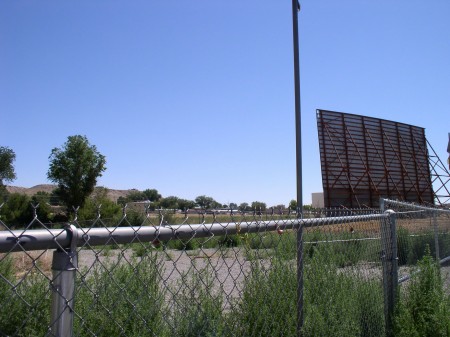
{"points": [[298, 143], [298, 130], [382, 205], [436, 236], [64, 266], [38, 239]]}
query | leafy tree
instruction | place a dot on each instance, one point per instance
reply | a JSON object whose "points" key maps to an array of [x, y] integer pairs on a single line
{"points": [[17, 210], [54, 198], [7, 157], [308, 208], [3, 194], [99, 198], [259, 206], [244, 207], [293, 205], [122, 201], [185, 204], [75, 168], [278, 207], [233, 205], [207, 202], [216, 205], [152, 195], [135, 195], [43, 211], [170, 202]]}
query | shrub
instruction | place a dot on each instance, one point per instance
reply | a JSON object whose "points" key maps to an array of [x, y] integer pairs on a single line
{"points": [[424, 308], [197, 309], [25, 308], [17, 211], [230, 241], [120, 299], [268, 303], [403, 245], [336, 302]]}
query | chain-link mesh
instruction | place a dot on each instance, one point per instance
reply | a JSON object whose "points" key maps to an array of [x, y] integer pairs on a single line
{"points": [[343, 278], [423, 245], [421, 231], [206, 274]]}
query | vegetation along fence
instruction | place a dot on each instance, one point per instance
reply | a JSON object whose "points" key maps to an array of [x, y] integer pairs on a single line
{"points": [[236, 274]]}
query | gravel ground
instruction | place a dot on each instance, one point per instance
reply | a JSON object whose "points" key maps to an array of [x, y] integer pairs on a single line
{"points": [[229, 267]]}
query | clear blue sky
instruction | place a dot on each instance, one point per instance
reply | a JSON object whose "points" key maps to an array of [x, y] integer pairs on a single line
{"points": [[197, 97]]}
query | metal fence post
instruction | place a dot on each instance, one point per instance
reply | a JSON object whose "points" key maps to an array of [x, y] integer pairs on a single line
{"points": [[436, 236], [382, 205], [64, 266], [390, 266]]}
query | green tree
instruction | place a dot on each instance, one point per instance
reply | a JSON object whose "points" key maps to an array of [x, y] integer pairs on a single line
{"points": [[293, 205], [17, 210], [170, 202], [99, 201], [152, 195], [7, 157], [136, 195], [185, 204], [259, 206], [75, 168], [7, 173], [279, 207], [244, 207], [308, 208], [42, 200], [207, 202]]}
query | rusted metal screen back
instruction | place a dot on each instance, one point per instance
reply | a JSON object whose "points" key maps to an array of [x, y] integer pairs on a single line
{"points": [[365, 158]]}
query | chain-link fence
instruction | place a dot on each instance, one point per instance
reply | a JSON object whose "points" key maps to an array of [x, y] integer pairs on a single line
{"points": [[423, 251], [206, 274], [420, 231]]}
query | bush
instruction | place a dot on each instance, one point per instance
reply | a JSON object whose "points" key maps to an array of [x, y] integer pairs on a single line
{"points": [[17, 211], [230, 241], [25, 309], [338, 303], [424, 308], [121, 299], [197, 308], [403, 246], [268, 303], [412, 248]]}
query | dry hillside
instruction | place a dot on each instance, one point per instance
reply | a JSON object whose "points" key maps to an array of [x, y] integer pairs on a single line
{"points": [[112, 194]]}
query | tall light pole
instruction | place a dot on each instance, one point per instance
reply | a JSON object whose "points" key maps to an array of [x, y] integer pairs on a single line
{"points": [[298, 147]]}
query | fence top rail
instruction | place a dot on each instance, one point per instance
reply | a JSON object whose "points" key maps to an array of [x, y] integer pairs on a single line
{"points": [[407, 204], [41, 239]]}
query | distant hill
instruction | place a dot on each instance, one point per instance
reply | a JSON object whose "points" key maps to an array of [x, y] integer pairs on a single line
{"points": [[112, 194]]}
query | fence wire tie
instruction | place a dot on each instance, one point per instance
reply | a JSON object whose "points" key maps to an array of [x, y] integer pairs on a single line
{"points": [[35, 210], [85, 237], [75, 211], [70, 228], [98, 211]]}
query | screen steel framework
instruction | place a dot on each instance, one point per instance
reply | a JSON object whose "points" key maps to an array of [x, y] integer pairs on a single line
{"points": [[365, 158]]}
